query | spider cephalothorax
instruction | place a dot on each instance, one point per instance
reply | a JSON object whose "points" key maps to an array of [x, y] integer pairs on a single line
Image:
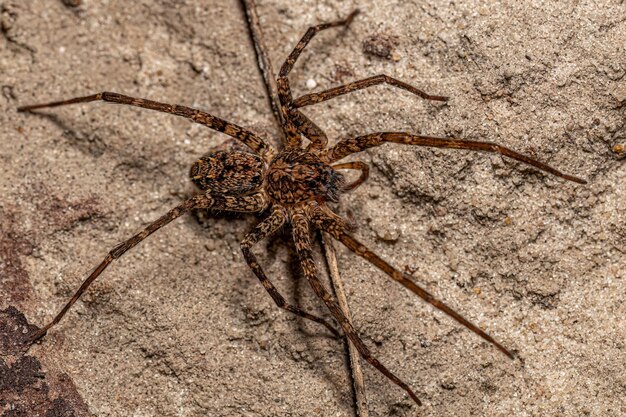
{"points": [[297, 175], [293, 187]]}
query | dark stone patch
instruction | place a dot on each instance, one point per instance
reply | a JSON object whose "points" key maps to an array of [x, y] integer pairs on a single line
{"points": [[14, 331], [63, 215], [26, 388], [14, 284]]}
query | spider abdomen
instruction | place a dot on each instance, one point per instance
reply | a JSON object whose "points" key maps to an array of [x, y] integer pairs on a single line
{"points": [[296, 175], [230, 173]]}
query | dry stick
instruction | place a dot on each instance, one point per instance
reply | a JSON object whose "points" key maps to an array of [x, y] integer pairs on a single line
{"points": [[355, 357], [265, 65]]}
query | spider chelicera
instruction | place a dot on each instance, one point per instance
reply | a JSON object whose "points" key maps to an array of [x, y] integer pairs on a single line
{"points": [[293, 186]]}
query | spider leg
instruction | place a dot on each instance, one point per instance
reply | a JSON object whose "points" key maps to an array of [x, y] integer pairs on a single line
{"points": [[312, 31], [310, 130], [264, 229], [247, 137], [352, 145], [335, 227], [303, 248], [315, 98], [359, 166], [252, 203], [295, 121]]}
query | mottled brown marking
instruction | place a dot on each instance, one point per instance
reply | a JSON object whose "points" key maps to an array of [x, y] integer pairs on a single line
{"points": [[297, 175], [228, 173]]}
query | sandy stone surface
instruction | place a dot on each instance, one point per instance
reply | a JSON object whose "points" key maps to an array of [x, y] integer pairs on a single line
{"points": [[181, 327]]}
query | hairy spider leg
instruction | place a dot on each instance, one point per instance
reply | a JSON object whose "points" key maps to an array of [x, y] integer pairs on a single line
{"points": [[267, 227], [349, 146], [248, 138], [336, 230], [302, 239], [358, 166], [309, 129], [252, 203], [311, 31], [361, 250], [295, 122], [315, 98]]}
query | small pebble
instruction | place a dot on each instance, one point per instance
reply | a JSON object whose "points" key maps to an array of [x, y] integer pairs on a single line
{"points": [[380, 46], [311, 84], [388, 234], [210, 245]]}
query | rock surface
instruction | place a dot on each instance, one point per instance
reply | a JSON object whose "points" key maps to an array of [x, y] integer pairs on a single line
{"points": [[180, 326]]}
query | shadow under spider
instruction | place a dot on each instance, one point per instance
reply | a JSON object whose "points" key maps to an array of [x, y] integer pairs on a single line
{"points": [[294, 185]]}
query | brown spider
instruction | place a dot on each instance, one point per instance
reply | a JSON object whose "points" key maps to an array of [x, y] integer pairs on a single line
{"points": [[293, 185]]}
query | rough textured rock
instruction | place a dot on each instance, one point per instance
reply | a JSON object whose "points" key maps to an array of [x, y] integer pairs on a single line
{"points": [[180, 326]]}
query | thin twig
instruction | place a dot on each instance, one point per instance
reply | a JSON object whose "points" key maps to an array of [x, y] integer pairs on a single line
{"points": [[265, 65], [355, 358]]}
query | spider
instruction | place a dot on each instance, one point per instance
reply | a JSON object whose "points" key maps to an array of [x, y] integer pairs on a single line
{"points": [[293, 186]]}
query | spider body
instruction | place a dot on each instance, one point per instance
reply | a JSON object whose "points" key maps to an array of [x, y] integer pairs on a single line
{"points": [[228, 172], [293, 186], [298, 175]]}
